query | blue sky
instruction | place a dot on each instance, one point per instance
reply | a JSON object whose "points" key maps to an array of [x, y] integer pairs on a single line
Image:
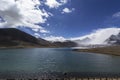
{"points": [[59, 18], [87, 16]]}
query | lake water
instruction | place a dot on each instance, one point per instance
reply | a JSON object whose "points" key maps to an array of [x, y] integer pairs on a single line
{"points": [[56, 60]]}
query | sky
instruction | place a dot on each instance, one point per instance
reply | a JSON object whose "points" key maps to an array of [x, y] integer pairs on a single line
{"points": [[60, 19]]}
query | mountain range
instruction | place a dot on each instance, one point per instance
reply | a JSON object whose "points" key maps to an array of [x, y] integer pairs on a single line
{"points": [[12, 37]]}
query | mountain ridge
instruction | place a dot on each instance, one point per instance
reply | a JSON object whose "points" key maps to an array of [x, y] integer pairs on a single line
{"points": [[12, 37], [114, 39], [16, 37]]}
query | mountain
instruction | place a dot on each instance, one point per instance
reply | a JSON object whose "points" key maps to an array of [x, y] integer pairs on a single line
{"points": [[83, 41], [65, 44], [114, 39], [12, 37]]}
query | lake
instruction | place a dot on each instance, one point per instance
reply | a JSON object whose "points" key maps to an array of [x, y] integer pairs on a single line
{"points": [[56, 60]]}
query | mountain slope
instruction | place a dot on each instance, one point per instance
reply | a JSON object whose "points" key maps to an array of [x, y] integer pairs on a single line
{"points": [[14, 37], [114, 39]]}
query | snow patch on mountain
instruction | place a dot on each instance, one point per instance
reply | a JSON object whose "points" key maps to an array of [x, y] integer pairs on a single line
{"points": [[114, 39]]}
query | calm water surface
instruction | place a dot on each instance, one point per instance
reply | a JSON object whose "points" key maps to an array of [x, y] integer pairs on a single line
{"points": [[56, 60]]}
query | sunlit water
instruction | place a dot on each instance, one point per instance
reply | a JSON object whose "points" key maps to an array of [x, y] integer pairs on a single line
{"points": [[56, 60]]}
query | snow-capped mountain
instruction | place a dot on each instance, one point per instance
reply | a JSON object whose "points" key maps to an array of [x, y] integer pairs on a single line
{"points": [[114, 39], [100, 36]]}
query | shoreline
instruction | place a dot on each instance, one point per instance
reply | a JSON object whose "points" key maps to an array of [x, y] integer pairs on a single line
{"points": [[26, 47], [109, 50]]}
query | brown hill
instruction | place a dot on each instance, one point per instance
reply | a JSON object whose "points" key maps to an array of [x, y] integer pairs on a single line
{"points": [[11, 37]]}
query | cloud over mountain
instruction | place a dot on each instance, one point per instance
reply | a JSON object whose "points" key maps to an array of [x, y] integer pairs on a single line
{"points": [[98, 36], [55, 38]]}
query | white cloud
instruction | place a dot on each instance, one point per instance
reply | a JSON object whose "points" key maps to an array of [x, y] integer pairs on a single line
{"points": [[100, 35], [26, 13], [55, 3], [63, 1], [67, 10], [36, 35], [52, 4], [23, 13], [55, 38], [116, 15]]}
